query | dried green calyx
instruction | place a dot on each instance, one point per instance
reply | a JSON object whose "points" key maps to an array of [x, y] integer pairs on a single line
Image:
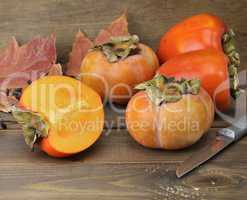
{"points": [[228, 42], [162, 89], [119, 48], [33, 124]]}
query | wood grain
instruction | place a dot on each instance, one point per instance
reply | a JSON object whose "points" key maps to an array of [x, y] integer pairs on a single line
{"points": [[113, 181], [115, 146], [116, 167]]}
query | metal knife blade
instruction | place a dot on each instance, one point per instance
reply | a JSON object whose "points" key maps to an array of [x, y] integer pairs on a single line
{"points": [[224, 138], [203, 155]]}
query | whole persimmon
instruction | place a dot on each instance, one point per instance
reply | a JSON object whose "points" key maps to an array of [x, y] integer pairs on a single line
{"points": [[197, 32], [211, 68], [61, 115], [114, 68], [168, 113]]}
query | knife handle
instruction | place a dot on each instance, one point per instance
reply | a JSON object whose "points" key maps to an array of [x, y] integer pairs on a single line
{"points": [[237, 130]]}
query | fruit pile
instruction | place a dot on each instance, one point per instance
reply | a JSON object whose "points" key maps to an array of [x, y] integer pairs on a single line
{"points": [[171, 95]]}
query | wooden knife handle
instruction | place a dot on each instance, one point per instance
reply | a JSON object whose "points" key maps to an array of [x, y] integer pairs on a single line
{"points": [[237, 130]]}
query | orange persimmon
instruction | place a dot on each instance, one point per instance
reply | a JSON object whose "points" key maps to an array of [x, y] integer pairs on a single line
{"points": [[194, 33], [211, 68], [114, 68], [169, 114], [61, 114], [207, 39]]}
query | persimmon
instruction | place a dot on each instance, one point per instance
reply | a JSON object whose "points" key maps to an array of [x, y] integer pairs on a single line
{"points": [[211, 67], [168, 113], [61, 114], [114, 68], [207, 38], [197, 32]]}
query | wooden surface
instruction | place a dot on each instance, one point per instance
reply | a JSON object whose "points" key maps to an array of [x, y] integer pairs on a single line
{"points": [[116, 167]]}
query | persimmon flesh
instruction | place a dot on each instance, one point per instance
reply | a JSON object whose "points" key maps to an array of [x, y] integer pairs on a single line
{"points": [[73, 111]]}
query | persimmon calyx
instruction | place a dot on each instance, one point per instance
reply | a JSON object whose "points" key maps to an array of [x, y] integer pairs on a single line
{"points": [[119, 48], [33, 124], [228, 41], [162, 89]]}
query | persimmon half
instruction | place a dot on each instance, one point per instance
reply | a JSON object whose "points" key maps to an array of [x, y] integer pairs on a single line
{"points": [[61, 114], [169, 114], [114, 68]]}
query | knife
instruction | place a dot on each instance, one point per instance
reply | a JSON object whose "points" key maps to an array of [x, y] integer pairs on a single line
{"points": [[224, 138]]}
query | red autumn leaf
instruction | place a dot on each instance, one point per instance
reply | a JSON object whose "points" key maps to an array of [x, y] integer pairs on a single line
{"points": [[80, 48], [22, 64], [82, 43], [119, 27], [19, 64]]}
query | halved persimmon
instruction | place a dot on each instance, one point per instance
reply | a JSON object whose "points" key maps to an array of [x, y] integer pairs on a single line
{"points": [[62, 114]]}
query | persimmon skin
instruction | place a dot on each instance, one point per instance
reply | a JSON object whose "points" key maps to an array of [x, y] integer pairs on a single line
{"points": [[158, 126], [195, 33], [115, 81], [209, 66], [62, 140], [47, 148]]}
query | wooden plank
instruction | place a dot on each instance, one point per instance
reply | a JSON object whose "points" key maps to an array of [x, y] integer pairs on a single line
{"points": [[217, 180], [116, 167], [115, 146]]}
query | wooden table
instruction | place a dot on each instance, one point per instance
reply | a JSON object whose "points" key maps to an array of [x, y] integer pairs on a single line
{"points": [[116, 167]]}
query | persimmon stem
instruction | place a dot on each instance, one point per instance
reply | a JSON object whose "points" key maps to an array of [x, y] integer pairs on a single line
{"points": [[167, 90], [228, 41], [119, 48], [34, 125]]}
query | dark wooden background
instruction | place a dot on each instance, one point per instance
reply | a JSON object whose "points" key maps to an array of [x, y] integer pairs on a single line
{"points": [[115, 167]]}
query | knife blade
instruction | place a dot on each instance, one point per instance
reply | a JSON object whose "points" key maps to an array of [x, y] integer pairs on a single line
{"points": [[224, 138]]}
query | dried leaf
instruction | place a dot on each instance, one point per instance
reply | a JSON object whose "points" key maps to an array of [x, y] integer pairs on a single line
{"points": [[23, 64], [19, 64], [119, 27], [82, 44]]}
